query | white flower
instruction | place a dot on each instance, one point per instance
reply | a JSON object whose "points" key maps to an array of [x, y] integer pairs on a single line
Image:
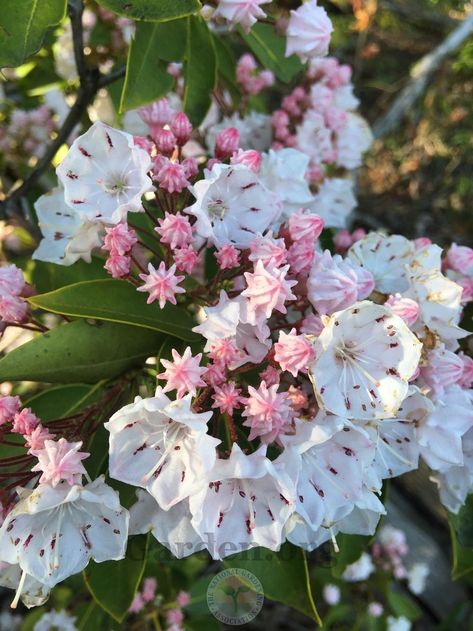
{"points": [[283, 172], [161, 445], [331, 594], [105, 174], [439, 298], [314, 138], [246, 503], [417, 577], [386, 257], [67, 237], [172, 528], [221, 321], [53, 532], [359, 570], [33, 593], [398, 624], [344, 98], [244, 12], [255, 131], [55, 621], [364, 358], [308, 32], [232, 206], [334, 201], [352, 141]]}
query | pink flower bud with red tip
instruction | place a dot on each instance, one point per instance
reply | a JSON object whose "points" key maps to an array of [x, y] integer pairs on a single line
{"points": [[13, 309], [460, 259], [157, 114], [9, 407], [227, 143], [250, 158], [144, 143], [37, 438], [119, 239], [305, 226], [172, 177], [405, 308], [215, 374], [175, 230], [185, 259], [421, 242], [181, 127], [25, 422], [60, 460], [118, 266], [271, 376], [165, 141], [191, 167], [227, 398], [342, 241], [293, 352], [301, 255], [183, 599], [466, 282], [228, 257]]}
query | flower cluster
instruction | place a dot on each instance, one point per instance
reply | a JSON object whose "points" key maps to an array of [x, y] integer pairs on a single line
{"points": [[27, 134], [13, 309]]}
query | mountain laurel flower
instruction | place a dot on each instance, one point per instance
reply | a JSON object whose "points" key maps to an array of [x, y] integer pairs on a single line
{"points": [[405, 308], [191, 167], [293, 352], [267, 412], [104, 174], [228, 257], [181, 127], [267, 290], [227, 143], [175, 230], [460, 259], [185, 259], [25, 422], [162, 284], [150, 585], [309, 31], [304, 225], [165, 141], [301, 256], [60, 461], [244, 12], [118, 266], [250, 158], [9, 407], [35, 440], [119, 239], [183, 599], [13, 309], [466, 380], [157, 114], [172, 176], [183, 374], [268, 250], [12, 281], [227, 398]]}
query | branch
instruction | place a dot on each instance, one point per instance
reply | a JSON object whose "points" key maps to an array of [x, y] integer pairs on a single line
{"points": [[421, 74], [90, 82]]}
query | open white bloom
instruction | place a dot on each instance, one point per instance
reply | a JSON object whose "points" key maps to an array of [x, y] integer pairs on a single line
{"points": [[255, 131], [162, 446], [456, 482], [334, 201], [308, 32], [232, 206], [32, 593], [439, 298], [352, 141], [105, 174], [245, 504], [244, 12], [67, 237], [53, 532], [172, 528], [55, 620], [359, 570], [365, 356], [314, 138], [387, 258], [283, 172]]}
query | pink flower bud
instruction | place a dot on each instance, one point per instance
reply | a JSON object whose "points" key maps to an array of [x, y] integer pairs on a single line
{"points": [[13, 309], [405, 308], [9, 407], [293, 352], [250, 158], [227, 143], [118, 266], [191, 167], [305, 226], [165, 141], [25, 422], [119, 239], [172, 177], [228, 257], [181, 128]]}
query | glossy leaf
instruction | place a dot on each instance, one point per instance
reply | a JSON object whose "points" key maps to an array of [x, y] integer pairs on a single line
{"points": [[201, 70], [23, 26], [48, 276], [284, 576], [152, 10], [463, 523], [113, 584], [78, 352], [270, 49], [62, 400], [402, 605], [116, 301], [462, 557]]}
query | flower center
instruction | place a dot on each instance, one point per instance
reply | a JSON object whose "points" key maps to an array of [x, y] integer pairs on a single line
{"points": [[114, 184], [217, 209]]}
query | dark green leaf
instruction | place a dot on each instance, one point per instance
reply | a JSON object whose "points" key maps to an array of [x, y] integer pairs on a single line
{"points": [[462, 561], [147, 78], [116, 301], [284, 576], [152, 10], [113, 584], [62, 400], [201, 70], [80, 352], [48, 276], [23, 26], [270, 48], [402, 605], [463, 523]]}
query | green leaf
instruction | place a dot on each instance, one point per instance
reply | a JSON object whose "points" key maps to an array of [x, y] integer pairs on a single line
{"points": [[270, 49], [113, 584], [402, 605], [80, 352], [284, 576], [48, 276], [23, 26], [152, 10], [201, 70], [62, 400], [463, 523], [462, 561], [147, 78], [117, 301]]}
